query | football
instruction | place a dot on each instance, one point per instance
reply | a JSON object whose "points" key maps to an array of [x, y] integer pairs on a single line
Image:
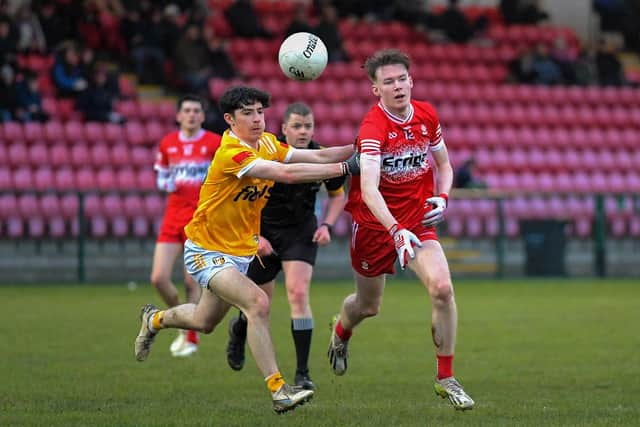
{"points": [[302, 56]]}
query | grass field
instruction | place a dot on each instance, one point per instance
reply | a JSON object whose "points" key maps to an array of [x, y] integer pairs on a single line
{"points": [[531, 353]]}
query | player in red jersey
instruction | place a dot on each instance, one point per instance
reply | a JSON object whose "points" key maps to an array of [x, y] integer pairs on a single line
{"points": [[395, 204], [182, 162]]}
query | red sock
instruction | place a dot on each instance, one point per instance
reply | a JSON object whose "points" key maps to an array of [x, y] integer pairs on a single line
{"points": [[192, 337], [342, 333], [445, 366]]}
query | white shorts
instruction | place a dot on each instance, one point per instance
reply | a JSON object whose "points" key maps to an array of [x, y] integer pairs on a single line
{"points": [[203, 264]]}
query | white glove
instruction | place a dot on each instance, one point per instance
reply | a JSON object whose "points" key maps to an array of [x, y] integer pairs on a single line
{"points": [[436, 214], [404, 240]]}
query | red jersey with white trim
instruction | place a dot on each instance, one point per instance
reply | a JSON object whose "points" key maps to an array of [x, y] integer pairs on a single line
{"points": [[406, 174], [187, 160]]}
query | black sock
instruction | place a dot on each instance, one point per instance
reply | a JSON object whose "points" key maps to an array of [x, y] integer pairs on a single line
{"points": [[240, 328], [301, 330]]}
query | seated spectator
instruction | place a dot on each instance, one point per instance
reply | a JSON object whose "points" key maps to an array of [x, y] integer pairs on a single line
{"points": [[8, 101], [415, 13], [546, 70], [327, 29], [457, 27], [7, 41], [97, 101], [31, 38], [244, 20], [219, 60], [521, 68], [68, 71], [464, 176], [610, 71], [300, 22], [586, 72], [29, 100]]}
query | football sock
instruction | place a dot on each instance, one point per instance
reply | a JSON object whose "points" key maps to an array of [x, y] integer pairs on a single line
{"points": [[274, 382], [192, 337], [445, 366], [240, 328], [156, 321], [301, 330], [343, 334]]}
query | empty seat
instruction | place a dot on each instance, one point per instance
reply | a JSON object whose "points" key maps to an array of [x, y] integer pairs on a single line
{"points": [[106, 179], [94, 131], [126, 179], [23, 179], [18, 155], [135, 133], [74, 132], [80, 155], [85, 179], [44, 179], [146, 179], [38, 155], [33, 131], [6, 181], [120, 155], [64, 179], [54, 132], [59, 155]]}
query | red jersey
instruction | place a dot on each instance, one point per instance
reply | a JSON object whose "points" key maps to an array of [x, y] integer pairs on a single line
{"points": [[187, 160], [406, 175]]}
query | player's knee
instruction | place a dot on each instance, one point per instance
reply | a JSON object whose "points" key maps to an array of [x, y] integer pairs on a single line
{"points": [[297, 296], [260, 306], [157, 280], [442, 291], [371, 310]]}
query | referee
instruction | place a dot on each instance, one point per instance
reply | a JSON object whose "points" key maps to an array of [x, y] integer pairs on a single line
{"points": [[290, 236]]}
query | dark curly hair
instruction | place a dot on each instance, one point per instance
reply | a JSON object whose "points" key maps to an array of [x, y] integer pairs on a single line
{"points": [[239, 96]]}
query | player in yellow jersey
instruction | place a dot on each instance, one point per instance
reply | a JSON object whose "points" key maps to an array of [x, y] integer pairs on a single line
{"points": [[224, 233]]}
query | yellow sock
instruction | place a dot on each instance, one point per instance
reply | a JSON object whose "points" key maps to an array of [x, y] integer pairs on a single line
{"points": [[274, 382], [156, 320]]}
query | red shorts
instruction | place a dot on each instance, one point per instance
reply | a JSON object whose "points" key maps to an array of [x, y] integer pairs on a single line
{"points": [[173, 223], [373, 252]]}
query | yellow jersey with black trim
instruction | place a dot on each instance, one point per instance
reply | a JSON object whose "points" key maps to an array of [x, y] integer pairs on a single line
{"points": [[227, 219]]}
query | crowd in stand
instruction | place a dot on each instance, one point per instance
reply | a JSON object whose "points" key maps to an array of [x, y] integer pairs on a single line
{"points": [[170, 43]]}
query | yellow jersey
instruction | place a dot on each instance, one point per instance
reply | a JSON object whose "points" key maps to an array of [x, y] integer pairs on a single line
{"points": [[227, 218]]}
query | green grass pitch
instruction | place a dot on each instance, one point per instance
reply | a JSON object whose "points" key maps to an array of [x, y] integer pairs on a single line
{"points": [[531, 353]]}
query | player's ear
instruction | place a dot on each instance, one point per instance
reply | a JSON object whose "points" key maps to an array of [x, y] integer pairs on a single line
{"points": [[375, 90], [410, 82], [284, 128], [228, 118]]}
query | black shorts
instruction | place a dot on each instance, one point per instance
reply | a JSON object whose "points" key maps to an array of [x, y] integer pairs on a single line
{"points": [[290, 244]]}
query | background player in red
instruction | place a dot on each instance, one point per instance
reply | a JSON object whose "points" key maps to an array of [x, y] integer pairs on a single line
{"points": [[182, 162], [395, 204]]}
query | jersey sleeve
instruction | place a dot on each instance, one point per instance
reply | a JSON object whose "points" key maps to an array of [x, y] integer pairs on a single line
{"points": [[162, 158], [236, 159], [370, 137], [335, 185], [284, 151]]}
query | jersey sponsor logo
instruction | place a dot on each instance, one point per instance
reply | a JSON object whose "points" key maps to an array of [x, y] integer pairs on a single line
{"points": [[172, 150], [187, 149], [423, 129], [392, 135], [241, 157], [404, 162], [190, 170], [364, 265], [219, 260], [252, 193], [199, 262]]}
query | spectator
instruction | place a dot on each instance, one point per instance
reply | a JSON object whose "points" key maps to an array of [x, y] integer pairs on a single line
{"points": [[243, 18], [59, 21], [97, 101], [565, 56], [464, 177], [147, 47], [192, 60], [68, 71], [327, 29], [221, 64], [172, 23], [31, 38], [546, 70], [300, 22], [522, 12], [415, 13], [521, 68], [457, 27], [585, 69], [7, 41], [610, 72], [8, 102], [29, 100]]}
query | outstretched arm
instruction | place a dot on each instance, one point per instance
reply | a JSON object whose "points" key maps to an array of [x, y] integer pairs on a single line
{"points": [[327, 155], [292, 173]]}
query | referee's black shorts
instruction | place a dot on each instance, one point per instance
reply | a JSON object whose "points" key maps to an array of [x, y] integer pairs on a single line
{"points": [[294, 243]]}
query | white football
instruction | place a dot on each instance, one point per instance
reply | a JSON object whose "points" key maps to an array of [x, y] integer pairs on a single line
{"points": [[302, 56]]}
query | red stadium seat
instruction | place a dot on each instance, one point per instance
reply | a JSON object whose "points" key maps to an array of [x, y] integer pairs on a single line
{"points": [[133, 206], [127, 179], [44, 178], [167, 111], [38, 155], [64, 179], [154, 206], [59, 155], [147, 110], [120, 155], [74, 131], [18, 155], [94, 131], [135, 133], [142, 157], [6, 181], [128, 109], [100, 155], [112, 206], [146, 179], [23, 179], [106, 179], [154, 131], [80, 155], [33, 131], [54, 132], [28, 206], [13, 132], [114, 133], [8, 205], [85, 179]]}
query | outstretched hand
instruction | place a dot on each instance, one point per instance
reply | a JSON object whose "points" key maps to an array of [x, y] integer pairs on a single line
{"points": [[353, 164], [404, 241], [436, 214]]}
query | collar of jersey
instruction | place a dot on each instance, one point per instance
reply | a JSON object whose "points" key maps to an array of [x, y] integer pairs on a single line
{"points": [[233, 135], [196, 137], [395, 118]]}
